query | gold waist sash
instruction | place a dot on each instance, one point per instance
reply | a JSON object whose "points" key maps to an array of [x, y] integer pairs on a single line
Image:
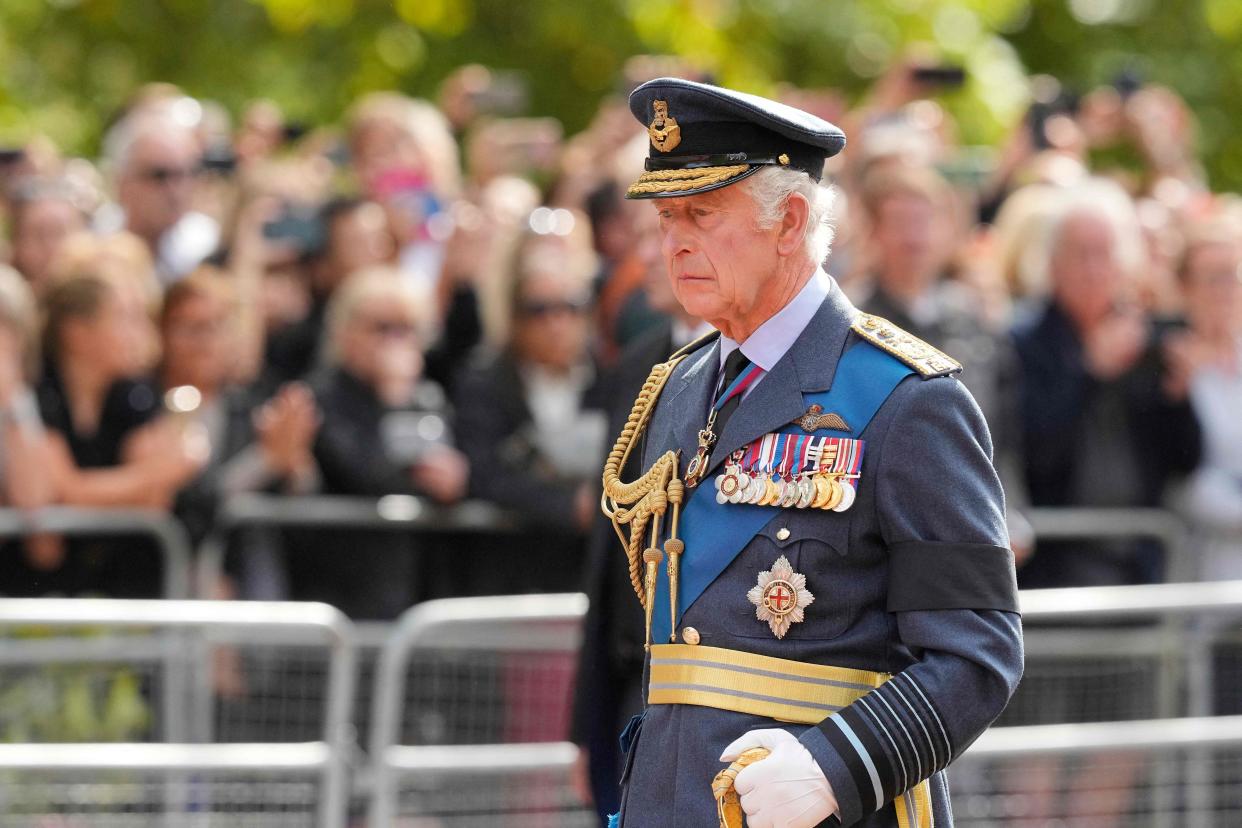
{"points": [[776, 688]]}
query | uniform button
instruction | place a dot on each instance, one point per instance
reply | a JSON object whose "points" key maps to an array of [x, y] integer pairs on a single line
{"points": [[690, 635], [782, 534]]}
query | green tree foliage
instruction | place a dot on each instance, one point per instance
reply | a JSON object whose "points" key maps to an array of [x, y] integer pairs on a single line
{"points": [[66, 65]]}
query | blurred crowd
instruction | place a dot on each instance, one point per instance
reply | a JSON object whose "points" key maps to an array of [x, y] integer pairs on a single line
{"points": [[452, 299]]}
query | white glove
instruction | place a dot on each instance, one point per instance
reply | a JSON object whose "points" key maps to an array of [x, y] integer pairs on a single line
{"points": [[785, 790]]}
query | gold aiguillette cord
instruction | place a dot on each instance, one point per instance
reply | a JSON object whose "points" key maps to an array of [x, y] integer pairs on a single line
{"points": [[646, 500]]}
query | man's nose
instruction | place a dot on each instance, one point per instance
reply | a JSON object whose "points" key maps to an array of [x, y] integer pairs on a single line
{"points": [[675, 241]]}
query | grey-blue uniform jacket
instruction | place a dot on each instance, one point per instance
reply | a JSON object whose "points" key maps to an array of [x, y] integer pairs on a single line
{"points": [[915, 579]]}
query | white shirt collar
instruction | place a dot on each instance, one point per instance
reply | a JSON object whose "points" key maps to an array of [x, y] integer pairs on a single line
{"points": [[773, 339]]}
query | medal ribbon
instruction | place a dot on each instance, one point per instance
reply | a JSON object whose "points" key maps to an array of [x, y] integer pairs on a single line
{"points": [[751, 457], [788, 441], [804, 453], [848, 458]]}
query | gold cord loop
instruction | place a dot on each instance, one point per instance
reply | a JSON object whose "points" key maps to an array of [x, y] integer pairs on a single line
{"points": [[636, 503], [728, 803]]}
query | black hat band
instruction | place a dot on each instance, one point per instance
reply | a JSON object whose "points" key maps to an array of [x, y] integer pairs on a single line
{"points": [[726, 159]]}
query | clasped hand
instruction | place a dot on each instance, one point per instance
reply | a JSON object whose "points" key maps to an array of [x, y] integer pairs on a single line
{"points": [[785, 790]]}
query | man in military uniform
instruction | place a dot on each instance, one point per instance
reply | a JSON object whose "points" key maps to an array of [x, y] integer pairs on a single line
{"points": [[819, 541]]}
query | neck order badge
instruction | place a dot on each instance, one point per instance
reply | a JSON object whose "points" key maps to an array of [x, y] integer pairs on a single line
{"points": [[730, 398]]}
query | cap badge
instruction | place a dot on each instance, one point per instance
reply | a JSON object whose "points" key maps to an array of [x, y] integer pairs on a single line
{"points": [[665, 132], [780, 597]]}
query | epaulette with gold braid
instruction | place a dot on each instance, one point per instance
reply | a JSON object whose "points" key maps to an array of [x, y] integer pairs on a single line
{"points": [[927, 360]]}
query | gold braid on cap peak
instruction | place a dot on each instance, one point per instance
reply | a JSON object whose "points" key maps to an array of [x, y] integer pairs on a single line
{"points": [[675, 181]]}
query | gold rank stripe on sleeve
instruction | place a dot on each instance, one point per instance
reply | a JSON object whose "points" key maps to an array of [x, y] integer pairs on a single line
{"points": [[929, 361]]}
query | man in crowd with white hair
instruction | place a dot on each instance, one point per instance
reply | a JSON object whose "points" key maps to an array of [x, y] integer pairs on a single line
{"points": [[819, 542], [156, 158], [1103, 426]]}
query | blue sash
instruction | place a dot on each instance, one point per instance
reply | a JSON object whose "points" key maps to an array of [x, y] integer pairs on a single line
{"points": [[715, 534]]}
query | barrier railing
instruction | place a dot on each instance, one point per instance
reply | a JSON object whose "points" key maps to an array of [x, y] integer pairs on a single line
{"points": [[1155, 773], [1138, 651], [1160, 525], [393, 513], [167, 533], [488, 680], [1104, 668], [161, 784]]}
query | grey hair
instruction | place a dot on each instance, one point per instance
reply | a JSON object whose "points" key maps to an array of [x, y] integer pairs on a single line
{"points": [[120, 140], [1098, 198], [384, 282], [770, 189]]}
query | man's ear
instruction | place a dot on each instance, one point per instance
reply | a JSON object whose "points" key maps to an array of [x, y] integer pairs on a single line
{"points": [[793, 227]]}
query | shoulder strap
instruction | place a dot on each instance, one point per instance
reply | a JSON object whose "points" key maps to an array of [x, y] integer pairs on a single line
{"points": [[927, 360]]}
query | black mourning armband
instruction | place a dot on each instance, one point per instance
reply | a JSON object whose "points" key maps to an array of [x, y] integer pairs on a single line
{"points": [[926, 575]]}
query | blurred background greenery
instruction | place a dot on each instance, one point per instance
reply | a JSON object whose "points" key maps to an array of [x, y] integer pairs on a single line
{"points": [[67, 65]]}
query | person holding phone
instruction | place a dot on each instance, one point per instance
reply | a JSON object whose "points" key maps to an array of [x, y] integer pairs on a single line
{"points": [[532, 415], [385, 430], [1100, 426]]}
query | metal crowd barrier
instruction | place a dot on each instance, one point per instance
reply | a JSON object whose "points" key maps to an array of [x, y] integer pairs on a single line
{"points": [[393, 513], [257, 513], [167, 533], [1160, 525], [1110, 666], [188, 782], [471, 713], [1146, 774], [1184, 624]]}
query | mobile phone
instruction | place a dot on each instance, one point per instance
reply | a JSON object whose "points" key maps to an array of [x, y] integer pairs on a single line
{"points": [[408, 436], [1127, 82], [296, 226], [527, 144], [506, 94], [945, 75]]}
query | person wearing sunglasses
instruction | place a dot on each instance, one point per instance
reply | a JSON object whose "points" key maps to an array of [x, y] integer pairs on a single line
{"points": [[531, 416], [384, 431], [156, 160]]}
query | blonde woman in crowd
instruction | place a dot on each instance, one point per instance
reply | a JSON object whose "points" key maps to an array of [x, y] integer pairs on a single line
{"points": [[385, 431], [531, 416], [405, 158], [108, 446]]}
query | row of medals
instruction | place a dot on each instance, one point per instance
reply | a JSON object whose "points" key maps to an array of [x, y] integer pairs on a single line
{"points": [[821, 490]]}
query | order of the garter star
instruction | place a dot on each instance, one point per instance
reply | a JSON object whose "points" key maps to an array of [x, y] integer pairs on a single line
{"points": [[780, 596]]}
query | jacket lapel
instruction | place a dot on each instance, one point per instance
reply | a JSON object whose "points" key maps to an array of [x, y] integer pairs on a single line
{"points": [[687, 400]]}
